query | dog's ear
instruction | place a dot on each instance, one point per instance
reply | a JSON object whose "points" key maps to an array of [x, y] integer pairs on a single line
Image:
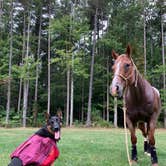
{"points": [[59, 114], [47, 116]]}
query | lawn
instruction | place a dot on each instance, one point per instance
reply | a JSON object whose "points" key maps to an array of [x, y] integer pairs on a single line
{"points": [[86, 147]]}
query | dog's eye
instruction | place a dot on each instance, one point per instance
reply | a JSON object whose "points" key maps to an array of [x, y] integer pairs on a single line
{"points": [[52, 122]]}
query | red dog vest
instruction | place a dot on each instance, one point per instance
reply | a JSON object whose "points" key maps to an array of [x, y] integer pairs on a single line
{"points": [[41, 151]]}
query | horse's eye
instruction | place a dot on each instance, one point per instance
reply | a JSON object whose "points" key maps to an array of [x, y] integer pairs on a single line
{"points": [[113, 61], [127, 65]]}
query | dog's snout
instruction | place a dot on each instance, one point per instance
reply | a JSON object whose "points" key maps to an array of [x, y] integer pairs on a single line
{"points": [[56, 127]]}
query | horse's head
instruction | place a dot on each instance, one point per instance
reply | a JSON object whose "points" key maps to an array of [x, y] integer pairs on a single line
{"points": [[124, 72]]}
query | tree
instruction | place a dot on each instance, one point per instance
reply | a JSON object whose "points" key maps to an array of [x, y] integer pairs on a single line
{"points": [[26, 79], [10, 66], [35, 109], [163, 21], [108, 90], [71, 48], [23, 50], [72, 14], [88, 122], [1, 7], [115, 112], [49, 40], [144, 15]]}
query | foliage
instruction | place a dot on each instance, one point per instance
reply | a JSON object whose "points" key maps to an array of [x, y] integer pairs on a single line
{"points": [[26, 70], [72, 23]]}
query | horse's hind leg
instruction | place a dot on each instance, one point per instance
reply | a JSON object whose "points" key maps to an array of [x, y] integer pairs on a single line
{"points": [[144, 128], [151, 131], [131, 127]]}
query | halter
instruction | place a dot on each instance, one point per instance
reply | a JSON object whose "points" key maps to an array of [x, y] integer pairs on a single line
{"points": [[127, 78]]}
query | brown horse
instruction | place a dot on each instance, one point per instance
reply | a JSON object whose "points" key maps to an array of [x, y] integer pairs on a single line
{"points": [[142, 102]]}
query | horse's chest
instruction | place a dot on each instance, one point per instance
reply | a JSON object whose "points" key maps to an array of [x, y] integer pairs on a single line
{"points": [[140, 112]]}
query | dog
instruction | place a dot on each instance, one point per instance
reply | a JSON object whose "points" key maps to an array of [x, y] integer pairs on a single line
{"points": [[41, 148]]}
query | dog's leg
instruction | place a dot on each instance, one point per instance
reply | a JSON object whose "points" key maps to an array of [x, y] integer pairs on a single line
{"points": [[15, 162]]}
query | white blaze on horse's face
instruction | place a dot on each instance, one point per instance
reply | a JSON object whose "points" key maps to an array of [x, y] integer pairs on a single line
{"points": [[117, 84]]}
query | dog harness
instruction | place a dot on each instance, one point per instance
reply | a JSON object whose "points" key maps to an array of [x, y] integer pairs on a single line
{"points": [[37, 150]]}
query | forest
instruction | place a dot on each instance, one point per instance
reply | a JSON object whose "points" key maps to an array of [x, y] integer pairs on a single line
{"points": [[55, 55]]}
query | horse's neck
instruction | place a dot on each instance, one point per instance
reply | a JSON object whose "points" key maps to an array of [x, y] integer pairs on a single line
{"points": [[137, 89]]}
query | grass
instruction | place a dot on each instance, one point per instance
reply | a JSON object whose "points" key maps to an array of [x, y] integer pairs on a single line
{"points": [[86, 147]]}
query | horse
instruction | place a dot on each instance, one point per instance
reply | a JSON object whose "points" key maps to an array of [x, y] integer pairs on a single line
{"points": [[141, 100]]}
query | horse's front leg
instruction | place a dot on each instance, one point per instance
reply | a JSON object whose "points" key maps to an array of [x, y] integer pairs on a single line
{"points": [[144, 128], [131, 127], [151, 131]]}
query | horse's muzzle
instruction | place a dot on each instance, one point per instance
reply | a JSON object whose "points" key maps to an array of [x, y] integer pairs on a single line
{"points": [[116, 91]]}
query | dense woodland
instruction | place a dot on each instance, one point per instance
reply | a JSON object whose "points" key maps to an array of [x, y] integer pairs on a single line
{"points": [[56, 55]]}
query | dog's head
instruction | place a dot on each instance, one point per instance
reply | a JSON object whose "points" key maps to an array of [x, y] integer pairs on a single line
{"points": [[54, 125]]}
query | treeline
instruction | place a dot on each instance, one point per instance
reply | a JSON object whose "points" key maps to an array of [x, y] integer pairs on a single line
{"points": [[56, 55]]}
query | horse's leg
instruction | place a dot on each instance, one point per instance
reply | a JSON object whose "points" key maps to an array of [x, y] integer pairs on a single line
{"points": [[144, 128], [152, 125], [131, 127]]}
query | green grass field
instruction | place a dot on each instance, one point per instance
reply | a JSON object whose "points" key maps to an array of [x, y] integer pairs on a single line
{"points": [[86, 147]]}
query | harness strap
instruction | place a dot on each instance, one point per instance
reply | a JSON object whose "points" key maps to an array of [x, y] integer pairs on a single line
{"points": [[127, 78]]}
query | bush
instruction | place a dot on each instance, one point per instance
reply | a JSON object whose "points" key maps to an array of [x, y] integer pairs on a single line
{"points": [[78, 123], [97, 121], [102, 123]]}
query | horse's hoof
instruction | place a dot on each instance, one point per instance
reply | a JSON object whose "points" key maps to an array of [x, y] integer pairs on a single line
{"points": [[155, 164], [133, 162]]}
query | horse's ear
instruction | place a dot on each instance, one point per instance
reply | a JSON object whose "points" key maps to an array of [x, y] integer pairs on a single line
{"points": [[114, 54], [128, 51]]}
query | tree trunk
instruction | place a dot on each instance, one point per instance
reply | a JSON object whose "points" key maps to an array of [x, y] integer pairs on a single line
{"points": [[72, 68], [145, 63], [163, 61], [35, 109], [108, 90], [26, 81], [115, 113], [88, 122], [82, 101], [49, 38], [25, 101], [10, 66], [71, 100], [21, 81], [19, 97], [108, 81], [68, 96], [1, 12]]}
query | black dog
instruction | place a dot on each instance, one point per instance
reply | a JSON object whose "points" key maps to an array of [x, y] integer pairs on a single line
{"points": [[40, 149]]}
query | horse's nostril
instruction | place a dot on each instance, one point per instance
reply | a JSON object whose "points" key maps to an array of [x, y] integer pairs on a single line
{"points": [[117, 87]]}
